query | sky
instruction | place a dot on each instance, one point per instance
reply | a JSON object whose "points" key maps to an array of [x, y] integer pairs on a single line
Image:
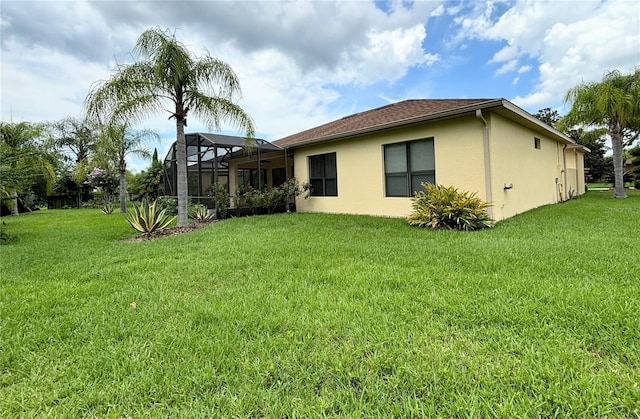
{"points": [[305, 63]]}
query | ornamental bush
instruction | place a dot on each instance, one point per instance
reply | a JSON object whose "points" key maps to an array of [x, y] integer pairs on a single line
{"points": [[445, 207]]}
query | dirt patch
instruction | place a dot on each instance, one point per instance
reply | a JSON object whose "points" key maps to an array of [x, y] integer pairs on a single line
{"points": [[173, 231]]}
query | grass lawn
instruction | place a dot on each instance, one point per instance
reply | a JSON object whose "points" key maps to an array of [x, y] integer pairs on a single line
{"points": [[306, 315]]}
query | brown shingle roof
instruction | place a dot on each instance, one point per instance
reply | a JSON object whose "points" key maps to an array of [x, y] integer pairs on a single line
{"points": [[379, 117]]}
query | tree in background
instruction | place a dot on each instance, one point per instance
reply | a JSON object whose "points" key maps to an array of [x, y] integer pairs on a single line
{"points": [[635, 163], [594, 161], [168, 73], [149, 183], [119, 141], [613, 103], [548, 116], [25, 160], [76, 140]]}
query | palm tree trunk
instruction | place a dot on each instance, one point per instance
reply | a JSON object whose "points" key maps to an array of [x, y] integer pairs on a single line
{"points": [[181, 166], [14, 201], [618, 163], [123, 191]]}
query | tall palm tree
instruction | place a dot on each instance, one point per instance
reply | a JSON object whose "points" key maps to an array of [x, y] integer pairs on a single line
{"points": [[614, 103], [168, 74], [118, 142]]}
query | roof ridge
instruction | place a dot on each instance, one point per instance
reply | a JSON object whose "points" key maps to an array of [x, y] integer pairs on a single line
{"points": [[390, 113]]}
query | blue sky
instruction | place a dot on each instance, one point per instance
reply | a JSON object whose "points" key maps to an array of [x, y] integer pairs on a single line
{"points": [[304, 63]]}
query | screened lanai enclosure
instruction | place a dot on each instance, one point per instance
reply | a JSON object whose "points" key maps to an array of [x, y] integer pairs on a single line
{"points": [[225, 160]]}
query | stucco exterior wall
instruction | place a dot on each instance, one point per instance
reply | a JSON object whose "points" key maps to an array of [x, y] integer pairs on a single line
{"points": [[522, 176], [574, 159], [360, 167], [532, 176]]}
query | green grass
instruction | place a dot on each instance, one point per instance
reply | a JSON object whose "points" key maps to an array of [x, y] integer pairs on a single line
{"points": [[307, 315]]}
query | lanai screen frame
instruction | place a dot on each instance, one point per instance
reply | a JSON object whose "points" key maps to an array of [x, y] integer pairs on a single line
{"points": [[211, 153]]}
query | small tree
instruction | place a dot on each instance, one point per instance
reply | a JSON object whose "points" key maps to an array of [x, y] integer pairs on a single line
{"points": [[148, 183], [118, 142]]}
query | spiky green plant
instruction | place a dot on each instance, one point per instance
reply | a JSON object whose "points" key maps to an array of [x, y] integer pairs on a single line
{"points": [[200, 213], [108, 208], [441, 206], [147, 218]]}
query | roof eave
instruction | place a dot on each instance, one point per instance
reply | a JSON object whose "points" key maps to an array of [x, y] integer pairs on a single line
{"points": [[563, 138]]}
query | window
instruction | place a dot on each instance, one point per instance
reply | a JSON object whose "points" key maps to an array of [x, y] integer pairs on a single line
{"points": [[278, 176], [323, 175], [249, 177], [536, 142], [406, 165]]}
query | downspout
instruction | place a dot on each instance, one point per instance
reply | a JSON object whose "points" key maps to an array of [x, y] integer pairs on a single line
{"points": [[286, 163], [487, 160], [259, 171], [286, 174], [215, 181]]}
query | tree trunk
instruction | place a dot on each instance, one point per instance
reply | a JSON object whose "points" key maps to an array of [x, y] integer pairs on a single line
{"points": [[618, 163], [123, 191], [181, 166], [14, 201]]}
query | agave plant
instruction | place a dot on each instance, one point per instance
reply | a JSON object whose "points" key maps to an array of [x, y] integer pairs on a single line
{"points": [[108, 208], [147, 218], [200, 213]]}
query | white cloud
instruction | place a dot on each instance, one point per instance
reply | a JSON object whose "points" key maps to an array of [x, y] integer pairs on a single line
{"points": [[572, 41], [507, 67], [438, 11], [291, 57]]}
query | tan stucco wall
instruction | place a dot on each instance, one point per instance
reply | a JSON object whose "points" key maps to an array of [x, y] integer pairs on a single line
{"points": [[360, 167], [575, 171], [536, 176]]}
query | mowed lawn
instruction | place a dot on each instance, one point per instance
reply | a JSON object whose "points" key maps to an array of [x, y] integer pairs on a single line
{"points": [[310, 315]]}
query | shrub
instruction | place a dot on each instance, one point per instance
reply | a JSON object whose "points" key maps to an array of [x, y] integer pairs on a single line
{"points": [[293, 189], [445, 207], [169, 204], [147, 217], [220, 194]]}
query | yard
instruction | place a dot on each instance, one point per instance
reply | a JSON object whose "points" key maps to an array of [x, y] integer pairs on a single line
{"points": [[305, 315]]}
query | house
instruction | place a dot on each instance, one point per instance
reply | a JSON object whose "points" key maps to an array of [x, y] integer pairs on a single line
{"points": [[372, 162]]}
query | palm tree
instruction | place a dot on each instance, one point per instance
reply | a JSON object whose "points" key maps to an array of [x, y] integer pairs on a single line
{"points": [[118, 142], [614, 103], [76, 141], [23, 159], [168, 74]]}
